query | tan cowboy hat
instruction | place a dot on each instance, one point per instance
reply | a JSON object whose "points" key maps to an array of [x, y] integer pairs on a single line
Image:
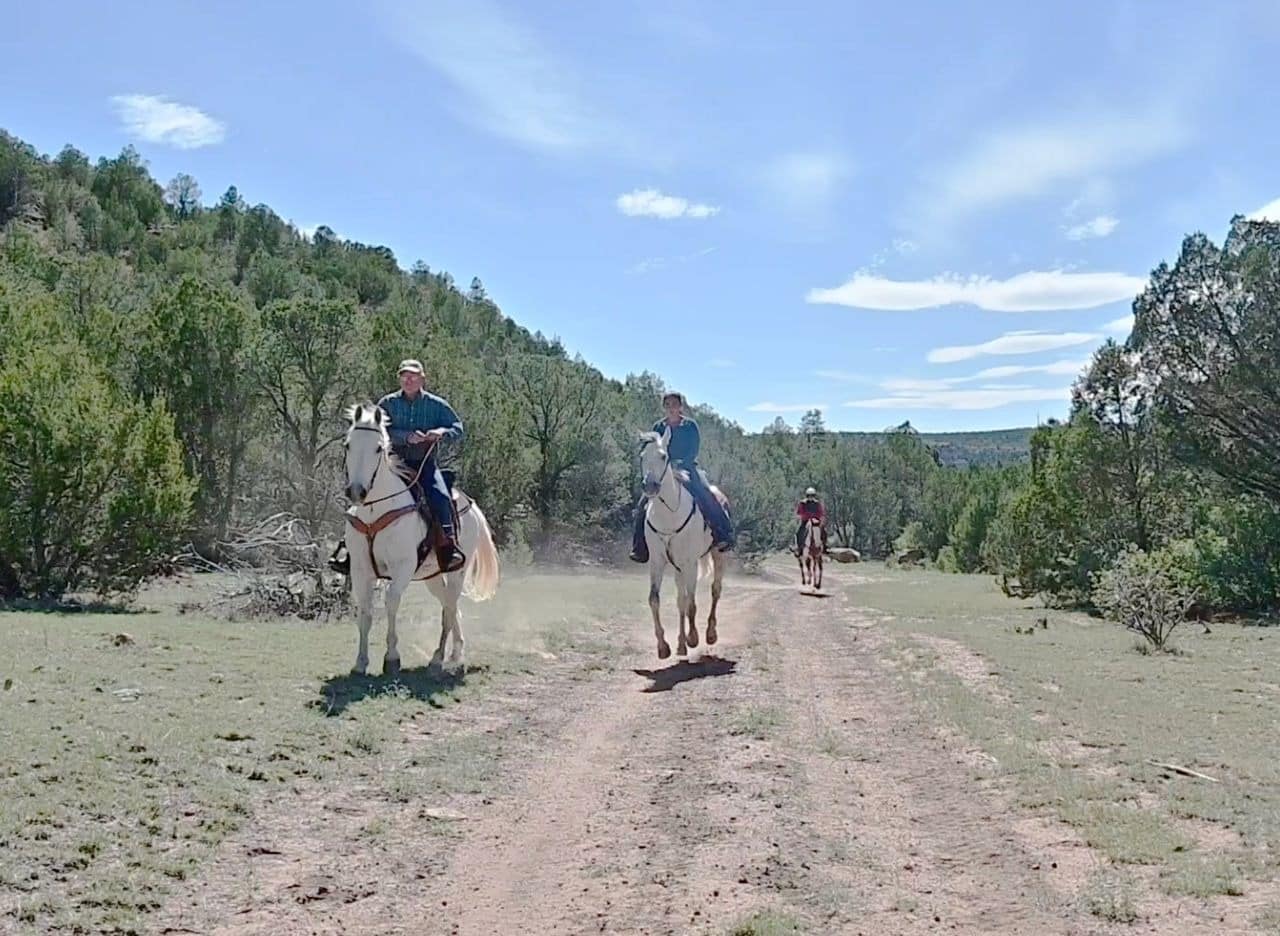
{"points": [[410, 365], [810, 492]]}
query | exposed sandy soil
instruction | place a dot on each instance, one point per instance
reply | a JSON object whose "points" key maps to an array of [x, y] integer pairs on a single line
{"points": [[787, 773]]}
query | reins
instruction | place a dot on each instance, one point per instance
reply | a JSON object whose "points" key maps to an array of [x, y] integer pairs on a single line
{"points": [[381, 522], [418, 474]]}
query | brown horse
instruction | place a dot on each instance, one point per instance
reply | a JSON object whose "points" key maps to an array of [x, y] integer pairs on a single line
{"points": [[811, 554]]}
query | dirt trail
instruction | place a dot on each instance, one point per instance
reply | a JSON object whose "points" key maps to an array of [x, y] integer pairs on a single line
{"points": [[787, 774]]}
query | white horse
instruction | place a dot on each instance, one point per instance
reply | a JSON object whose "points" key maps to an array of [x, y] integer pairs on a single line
{"points": [[384, 529], [811, 554], [677, 535]]}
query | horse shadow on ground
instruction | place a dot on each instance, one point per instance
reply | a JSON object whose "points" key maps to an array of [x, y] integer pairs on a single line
{"points": [[667, 678], [422, 683], [816, 594]]}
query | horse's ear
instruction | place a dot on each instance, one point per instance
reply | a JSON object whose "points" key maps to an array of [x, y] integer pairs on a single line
{"points": [[381, 416], [666, 436]]}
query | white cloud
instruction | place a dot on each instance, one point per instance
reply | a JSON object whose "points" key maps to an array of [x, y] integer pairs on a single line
{"points": [[768, 407], [1023, 162], [905, 246], [159, 120], [985, 398], [913, 385], [1120, 326], [1020, 342], [806, 181], [1268, 212], [1064, 368], [649, 264], [1070, 367], [843, 376], [1096, 196], [511, 85], [721, 363], [951, 393], [1025, 292], [651, 203], [1101, 226]]}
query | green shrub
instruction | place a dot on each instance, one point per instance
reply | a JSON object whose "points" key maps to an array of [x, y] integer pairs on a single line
{"points": [[1149, 593], [92, 488], [911, 537], [972, 527], [1237, 556]]}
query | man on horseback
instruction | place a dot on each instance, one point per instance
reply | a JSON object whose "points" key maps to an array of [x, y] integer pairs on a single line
{"points": [[682, 452], [419, 421], [807, 510]]}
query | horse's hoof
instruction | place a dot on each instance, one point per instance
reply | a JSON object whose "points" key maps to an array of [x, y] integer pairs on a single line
{"points": [[693, 638], [711, 635], [358, 670], [664, 650], [391, 668], [682, 650]]}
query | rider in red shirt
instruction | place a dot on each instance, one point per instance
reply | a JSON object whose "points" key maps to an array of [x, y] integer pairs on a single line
{"points": [[806, 510]]}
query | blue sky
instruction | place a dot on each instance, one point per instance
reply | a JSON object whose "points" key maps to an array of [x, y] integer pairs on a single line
{"points": [[917, 211]]}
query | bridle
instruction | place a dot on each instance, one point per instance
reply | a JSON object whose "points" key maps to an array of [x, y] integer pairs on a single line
{"points": [[385, 519], [693, 507], [382, 451], [813, 537], [666, 469]]}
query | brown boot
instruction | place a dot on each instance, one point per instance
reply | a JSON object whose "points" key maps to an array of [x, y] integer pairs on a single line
{"points": [[449, 555]]}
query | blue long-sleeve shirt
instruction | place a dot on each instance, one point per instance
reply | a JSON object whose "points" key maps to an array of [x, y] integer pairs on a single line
{"points": [[424, 412], [685, 441]]}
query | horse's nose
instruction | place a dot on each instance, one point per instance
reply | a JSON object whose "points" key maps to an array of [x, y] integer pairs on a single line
{"points": [[355, 493]]}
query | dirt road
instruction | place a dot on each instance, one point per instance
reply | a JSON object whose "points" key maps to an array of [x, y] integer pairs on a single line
{"points": [[783, 785]]}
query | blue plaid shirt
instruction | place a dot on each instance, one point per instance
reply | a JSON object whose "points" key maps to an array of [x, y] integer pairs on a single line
{"points": [[423, 413]]}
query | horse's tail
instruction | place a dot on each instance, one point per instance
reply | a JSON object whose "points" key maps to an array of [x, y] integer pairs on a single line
{"points": [[480, 581]]}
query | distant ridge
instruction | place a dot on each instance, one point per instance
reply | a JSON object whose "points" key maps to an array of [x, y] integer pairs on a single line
{"points": [[962, 449]]}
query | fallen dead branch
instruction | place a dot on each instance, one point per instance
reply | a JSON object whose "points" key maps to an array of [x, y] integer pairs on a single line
{"points": [[280, 543], [1185, 771]]}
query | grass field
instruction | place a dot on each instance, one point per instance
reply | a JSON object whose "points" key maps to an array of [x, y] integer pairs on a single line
{"points": [[1073, 715], [135, 743], [138, 742]]}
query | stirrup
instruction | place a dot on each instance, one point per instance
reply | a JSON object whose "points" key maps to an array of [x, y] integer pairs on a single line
{"points": [[459, 559]]}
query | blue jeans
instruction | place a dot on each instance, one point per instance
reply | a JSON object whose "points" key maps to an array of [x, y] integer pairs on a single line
{"points": [[431, 487], [717, 517]]}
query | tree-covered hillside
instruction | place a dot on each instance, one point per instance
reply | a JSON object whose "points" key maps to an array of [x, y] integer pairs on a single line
{"points": [[239, 341], [173, 370]]}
